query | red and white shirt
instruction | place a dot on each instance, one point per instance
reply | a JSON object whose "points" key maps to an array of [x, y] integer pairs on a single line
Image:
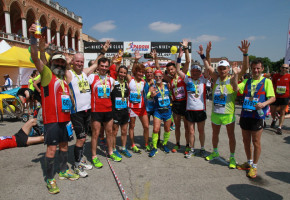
{"points": [[281, 85], [136, 96], [179, 92]]}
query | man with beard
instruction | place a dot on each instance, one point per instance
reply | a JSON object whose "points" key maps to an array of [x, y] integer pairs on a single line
{"points": [[56, 105]]}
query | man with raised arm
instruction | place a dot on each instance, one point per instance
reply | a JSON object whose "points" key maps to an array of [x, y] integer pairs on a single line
{"points": [[56, 105]]}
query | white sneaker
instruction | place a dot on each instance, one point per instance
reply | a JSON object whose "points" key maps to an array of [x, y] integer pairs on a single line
{"points": [[190, 154], [85, 165], [80, 171]]}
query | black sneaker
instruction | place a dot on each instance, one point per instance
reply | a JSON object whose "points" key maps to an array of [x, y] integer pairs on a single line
{"points": [[202, 153], [279, 131], [273, 123]]}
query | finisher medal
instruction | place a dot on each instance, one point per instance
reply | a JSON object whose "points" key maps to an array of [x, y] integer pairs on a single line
{"points": [[84, 91], [196, 95], [251, 98], [105, 95], [222, 96], [123, 99], [138, 96]]}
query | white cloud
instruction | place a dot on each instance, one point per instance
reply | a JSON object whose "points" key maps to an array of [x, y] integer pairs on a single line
{"points": [[206, 38], [252, 38], [104, 26], [105, 39], [164, 27]]}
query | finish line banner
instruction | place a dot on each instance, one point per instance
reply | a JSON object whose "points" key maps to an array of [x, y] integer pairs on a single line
{"points": [[164, 47], [96, 47]]}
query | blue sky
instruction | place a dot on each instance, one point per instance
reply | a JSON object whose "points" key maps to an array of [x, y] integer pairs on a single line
{"points": [[224, 22]]}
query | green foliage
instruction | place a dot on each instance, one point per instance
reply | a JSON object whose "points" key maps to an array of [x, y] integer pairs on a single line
{"points": [[273, 66]]}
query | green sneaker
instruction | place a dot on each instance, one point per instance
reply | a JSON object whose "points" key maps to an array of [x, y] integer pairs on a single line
{"points": [[68, 175], [115, 158], [212, 156], [233, 164], [147, 148], [97, 163], [51, 186], [187, 149], [175, 148], [136, 150]]}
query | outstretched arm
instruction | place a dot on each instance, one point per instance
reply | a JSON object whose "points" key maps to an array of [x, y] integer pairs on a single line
{"points": [[179, 72], [155, 58], [184, 44], [118, 59], [42, 47], [208, 68], [137, 58], [208, 49], [244, 49], [235, 79], [33, 50]]}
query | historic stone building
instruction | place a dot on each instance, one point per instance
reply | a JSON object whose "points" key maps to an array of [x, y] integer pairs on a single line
{"points": [[64, 28]]}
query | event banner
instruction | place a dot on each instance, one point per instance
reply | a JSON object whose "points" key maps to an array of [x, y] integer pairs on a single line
{"points": [[142, 47], [96, 47], [164, 47], [287, 55]]}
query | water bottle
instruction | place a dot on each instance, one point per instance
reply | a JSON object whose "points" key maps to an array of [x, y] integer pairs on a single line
{"points": [[260, 112]]}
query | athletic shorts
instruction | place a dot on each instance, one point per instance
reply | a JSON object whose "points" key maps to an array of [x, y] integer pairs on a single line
{"points": [[21, 138], [102, 116], [281, 102], [137, 112], [164, 114], [55, 133], [81, 123], [179, 107], [222, 119], [251, 124], [195, 116], [149, 113], [121, 117]]}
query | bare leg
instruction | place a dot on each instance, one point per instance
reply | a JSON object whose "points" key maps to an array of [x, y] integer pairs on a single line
{"points": [[200, 127], [256, 138], [131, 129], [215, 134], [96, 126], [191, 127], [231, 136], [247, 137], [145, 124], [109, 135]]}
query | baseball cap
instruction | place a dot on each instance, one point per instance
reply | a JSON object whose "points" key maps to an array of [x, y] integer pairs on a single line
{"points": [[223, 63], [6, 75], [196, 67], [158, 72], [58, 56]]}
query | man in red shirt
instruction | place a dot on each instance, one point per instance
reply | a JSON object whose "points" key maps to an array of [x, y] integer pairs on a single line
{"points": [[281, 83]]}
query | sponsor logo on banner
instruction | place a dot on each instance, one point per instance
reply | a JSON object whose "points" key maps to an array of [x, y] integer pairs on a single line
{"points": [[164, 47], [142, 47], [96, 47]]}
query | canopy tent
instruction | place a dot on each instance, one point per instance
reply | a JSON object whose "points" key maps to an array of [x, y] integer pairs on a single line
{"points": [[4, 46], [17, 57]]}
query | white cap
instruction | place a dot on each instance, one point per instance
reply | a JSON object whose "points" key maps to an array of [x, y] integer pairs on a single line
{"points": [[196, 67], [58, 56], [223, 63]]}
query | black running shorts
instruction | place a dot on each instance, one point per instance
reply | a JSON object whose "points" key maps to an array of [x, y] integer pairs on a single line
{"points": [[251, 124], [102, 116], [21, 138], [81, 122], [55, 133], [179, 107], [195, 116]]}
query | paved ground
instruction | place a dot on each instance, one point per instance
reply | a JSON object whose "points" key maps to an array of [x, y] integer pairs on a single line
{"points": [[166, 176]]}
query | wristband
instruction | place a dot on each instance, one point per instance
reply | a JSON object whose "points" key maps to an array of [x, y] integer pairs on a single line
{"points": [[102, 53], [33, 40], [202, 56], [185, 48], [178, 60], [245, 54]]}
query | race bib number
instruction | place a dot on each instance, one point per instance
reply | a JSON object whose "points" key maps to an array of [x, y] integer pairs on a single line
{"points": [[164, 102], [84, 86], [65, 103], [281, 89], [5, 137], [179, 93], [135, 98], [250, 105], [101, 93], [119, 104], [220, 100], [190, 87], [150, 104]]}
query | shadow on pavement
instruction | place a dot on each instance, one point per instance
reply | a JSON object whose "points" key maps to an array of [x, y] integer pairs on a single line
{"points": [[287, 139], [250, 192], [219, 161], [281, 176]]}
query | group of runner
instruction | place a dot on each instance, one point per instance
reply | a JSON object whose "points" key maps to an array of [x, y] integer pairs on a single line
{"points": [[90, 97]]}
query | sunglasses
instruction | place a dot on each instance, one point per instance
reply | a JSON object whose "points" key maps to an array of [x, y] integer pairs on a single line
{"points": [[285, 67], [158, 76]]}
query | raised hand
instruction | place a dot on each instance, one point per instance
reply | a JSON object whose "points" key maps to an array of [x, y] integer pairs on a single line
{"points": [[180, 53], [208, 47], [245, 46], [184, 43], [137, 55], [32, 29], [153, 54], [106, 46], [200, 52], [235, 68], [153, 91]]}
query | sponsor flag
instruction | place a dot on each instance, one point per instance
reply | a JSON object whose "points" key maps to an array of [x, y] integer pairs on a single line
{"points": [[287, 55]]}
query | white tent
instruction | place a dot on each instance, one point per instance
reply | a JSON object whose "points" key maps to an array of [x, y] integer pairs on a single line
{"points": [[4, 46]]}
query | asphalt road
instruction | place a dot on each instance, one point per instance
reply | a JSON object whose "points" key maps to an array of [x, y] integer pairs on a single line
{"points": [[166, 176]]}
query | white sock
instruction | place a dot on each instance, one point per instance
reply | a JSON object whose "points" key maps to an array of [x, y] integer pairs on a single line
{"points": [[254, 165]]}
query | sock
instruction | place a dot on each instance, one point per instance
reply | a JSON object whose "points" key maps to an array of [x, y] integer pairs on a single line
{"points": [[215, 150], [114, 149], [78, 152], [166, 136], [49, 163], [279, 127], [187, 145], [177, 143], [192, 149], [63, 156], [232, 155], [123, 148], [254, 165], [250, 162], [202, 148], [154, 139]]}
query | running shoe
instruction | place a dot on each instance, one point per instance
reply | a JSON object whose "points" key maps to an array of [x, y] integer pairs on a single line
{"points": [[86, 165], [117, 154], [187, 149], [51, 186], [279, 131], [153, 152], [190, 154], [126, 153], [175, 148], [115, 158], [212, 156], [97, 163], [244, 166], [273, 123], [165, 149], [202, 153], [252, 172], [172, 128], [233, 164], [147, 148], [136, 150], [68, 174], [80, 171]]}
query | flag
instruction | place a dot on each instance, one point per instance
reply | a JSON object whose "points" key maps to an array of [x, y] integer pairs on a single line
{"points": [[287, 55]]}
